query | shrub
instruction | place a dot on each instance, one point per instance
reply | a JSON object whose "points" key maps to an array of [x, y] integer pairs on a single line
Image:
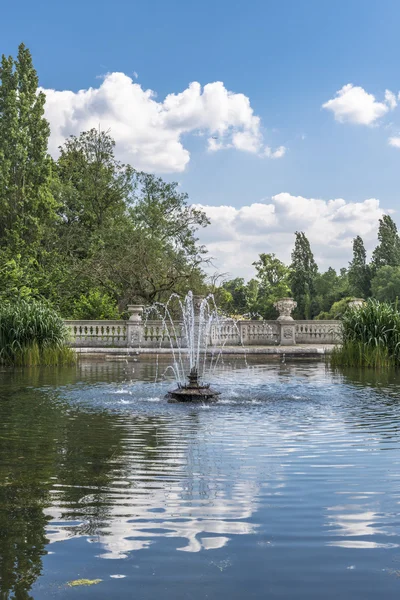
{"points": [[336, 311], [32, 333], [96, 305]]}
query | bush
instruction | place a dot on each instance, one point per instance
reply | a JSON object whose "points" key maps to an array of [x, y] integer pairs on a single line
{"points": [[370, 336], [95, 305], [336, 311], [32, 333]]}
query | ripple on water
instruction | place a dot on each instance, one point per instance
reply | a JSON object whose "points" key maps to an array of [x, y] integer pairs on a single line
{"points": [[295, 464]]}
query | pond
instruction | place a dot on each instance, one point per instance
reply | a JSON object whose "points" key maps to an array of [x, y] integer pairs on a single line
{"points": [[288, 487]]}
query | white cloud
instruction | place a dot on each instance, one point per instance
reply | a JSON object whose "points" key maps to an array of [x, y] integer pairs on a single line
{"points": [[353, 104], [237, 235], [390, 99], [394, 141], [148, 133], [278, 153]]}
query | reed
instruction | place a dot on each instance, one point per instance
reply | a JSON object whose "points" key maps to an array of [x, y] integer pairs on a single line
{"points": [[32, 333], [370, 337]]}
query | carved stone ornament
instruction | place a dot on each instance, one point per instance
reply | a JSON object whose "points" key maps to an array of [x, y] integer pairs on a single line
{"points": [[285, 306], [287, 333]]}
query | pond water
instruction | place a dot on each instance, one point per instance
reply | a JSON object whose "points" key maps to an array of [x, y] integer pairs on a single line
{"points": [[288, 487]]}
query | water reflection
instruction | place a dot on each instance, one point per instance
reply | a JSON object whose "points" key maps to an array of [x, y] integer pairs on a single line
{"points": [[292, 457], [162, 481]]}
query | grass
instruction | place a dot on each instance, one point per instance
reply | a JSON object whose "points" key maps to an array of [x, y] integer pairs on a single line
{"points": [[31, 334], [370, 337]]}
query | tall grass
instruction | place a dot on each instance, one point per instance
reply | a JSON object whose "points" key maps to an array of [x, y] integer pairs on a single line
{"points": [[32, 333], [370, 337]]}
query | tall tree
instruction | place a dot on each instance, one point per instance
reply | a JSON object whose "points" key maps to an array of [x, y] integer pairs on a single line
{"points": [[303, 272], [26, 203], [274, 283], [359, 271], [387, 252], [94, 189]]}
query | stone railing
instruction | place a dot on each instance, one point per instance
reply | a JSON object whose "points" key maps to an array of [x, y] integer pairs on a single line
{"points": [[317, 332], [152, 334], [92, 334], [136, 333]]}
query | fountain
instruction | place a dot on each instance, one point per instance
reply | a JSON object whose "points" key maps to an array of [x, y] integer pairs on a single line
{"points": [[196, 342], [194, 391]]}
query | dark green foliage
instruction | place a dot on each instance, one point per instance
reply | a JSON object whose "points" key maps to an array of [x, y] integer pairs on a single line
{"points": [[336, 311], [302, 278], [387, 253], [386, 284], [236, 302], [370, 336], [330, 289], [32, 333], [26, 203], [359, 271], [273, 278]]}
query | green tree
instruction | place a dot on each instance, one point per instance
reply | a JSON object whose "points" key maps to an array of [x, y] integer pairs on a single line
{"points": [[94, 190], [151, 251], [330, 287], [385, 284], [237, 289], [359, 271], [302, 278], [26, 203], [387, 252], [274, 283]]}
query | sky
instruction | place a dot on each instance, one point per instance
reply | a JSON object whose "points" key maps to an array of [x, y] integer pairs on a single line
{"points": [[273, 116]]}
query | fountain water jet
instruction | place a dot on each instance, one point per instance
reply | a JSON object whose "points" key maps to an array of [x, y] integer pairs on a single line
{"points": [[198, 336]]}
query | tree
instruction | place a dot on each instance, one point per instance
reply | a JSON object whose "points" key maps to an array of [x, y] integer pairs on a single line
{"points": [[274, 283], [94, 189], [359, 271], [330, 287], [386, 284], [26, 203], [387, 252], [151, 251], [237, 289], [302, 278]]}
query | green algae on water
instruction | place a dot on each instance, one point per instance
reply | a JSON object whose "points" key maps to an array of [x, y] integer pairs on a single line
{"points": [[76, 582]]}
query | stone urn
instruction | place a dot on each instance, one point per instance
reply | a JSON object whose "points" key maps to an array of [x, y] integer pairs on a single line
{"points": [[197, 300], [356, 303], [285, 306], [135, 311]]}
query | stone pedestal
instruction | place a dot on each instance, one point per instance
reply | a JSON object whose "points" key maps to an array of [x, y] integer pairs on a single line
{"points": [[288, 333], [285, 306], [135, 325], [135, 311]]}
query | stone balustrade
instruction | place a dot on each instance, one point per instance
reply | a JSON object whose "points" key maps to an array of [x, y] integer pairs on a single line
{"points": [[152, 334]]}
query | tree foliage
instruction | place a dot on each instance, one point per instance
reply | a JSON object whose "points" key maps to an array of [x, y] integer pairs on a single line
{"points": [[359, 271], [303, 274], [26, 203], [387, 252], [386, 284]]}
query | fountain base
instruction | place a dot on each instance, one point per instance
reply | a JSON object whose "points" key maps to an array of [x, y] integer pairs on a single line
{"points": [[193, 392]]}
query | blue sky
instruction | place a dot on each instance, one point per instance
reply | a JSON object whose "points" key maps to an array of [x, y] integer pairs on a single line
{"points": [[287, 58]]}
